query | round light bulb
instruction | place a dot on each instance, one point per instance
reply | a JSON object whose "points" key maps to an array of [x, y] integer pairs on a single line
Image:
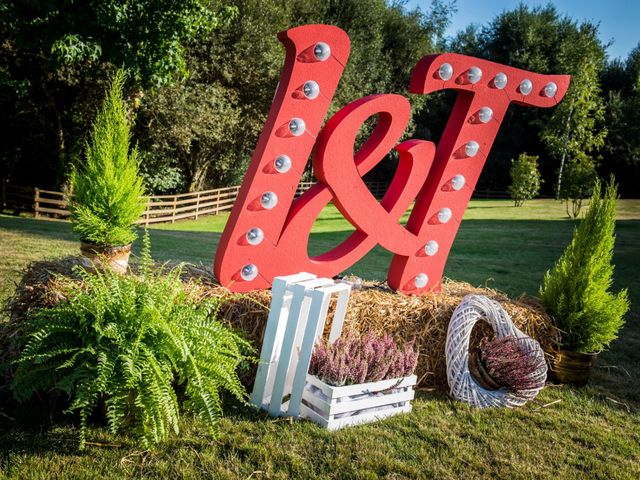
{"points": [[471, 148], [421, 280], [431, 248], [444, 215], [269, 200], [550, 89], [282, 163], [457, 182], [311, 90], [322, 51], [255, 236], [297, 127], [485, 114], [500, 81], [445, 72], [525, 86], [249, 272], [474, 75]]}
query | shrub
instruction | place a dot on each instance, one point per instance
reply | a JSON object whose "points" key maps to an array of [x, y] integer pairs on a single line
{"points": [[107, 191], [577, 184], [576, 292], [525, 179], [354, 359], [131, 343], [509, 363]]}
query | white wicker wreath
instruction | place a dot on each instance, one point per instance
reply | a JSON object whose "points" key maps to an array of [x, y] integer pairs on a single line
{"points": [[462, 384]]}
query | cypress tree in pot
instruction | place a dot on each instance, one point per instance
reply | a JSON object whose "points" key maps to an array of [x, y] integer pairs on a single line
{"points": [[577, 292], [107, 190]]}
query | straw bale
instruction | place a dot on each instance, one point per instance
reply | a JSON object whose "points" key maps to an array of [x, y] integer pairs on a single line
{"points": [[374, 306]]}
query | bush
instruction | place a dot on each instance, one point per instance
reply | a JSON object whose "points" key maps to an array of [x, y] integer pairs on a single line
{"points": [[107, 191], [132, 343], [525, 179], [576, 292], [577, 184], [354, 359]]}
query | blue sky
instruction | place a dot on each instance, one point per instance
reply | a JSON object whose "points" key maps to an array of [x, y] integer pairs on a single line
{"points": [[619, 19]]}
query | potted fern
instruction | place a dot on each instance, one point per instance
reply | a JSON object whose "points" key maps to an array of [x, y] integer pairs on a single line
{"points": [[107, 191], [359, 379], [577, 292]]}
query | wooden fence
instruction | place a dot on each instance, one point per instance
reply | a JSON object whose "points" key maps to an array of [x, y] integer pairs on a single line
{"points": [[160, 208]]}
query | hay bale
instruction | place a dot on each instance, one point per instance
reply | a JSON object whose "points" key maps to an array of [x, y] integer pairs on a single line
{"points": [[376, 307]]}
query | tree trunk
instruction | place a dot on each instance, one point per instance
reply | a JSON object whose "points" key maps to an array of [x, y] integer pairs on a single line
{"points": [[564, 153]]}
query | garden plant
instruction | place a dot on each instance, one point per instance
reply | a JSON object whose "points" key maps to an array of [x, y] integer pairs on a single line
{"points": [[577, 290], [142, 346], [525, 179]]}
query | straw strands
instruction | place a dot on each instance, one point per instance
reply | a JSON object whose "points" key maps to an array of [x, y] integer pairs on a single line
{"points": [[374, 307]]}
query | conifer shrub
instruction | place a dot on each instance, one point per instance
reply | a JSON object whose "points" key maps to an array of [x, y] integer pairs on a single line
{"points": [[107, 190], [135, 345], [577, 290], [525, 179]]}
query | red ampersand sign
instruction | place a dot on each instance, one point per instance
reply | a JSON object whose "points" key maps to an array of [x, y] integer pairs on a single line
{"points": [[268, 230]]}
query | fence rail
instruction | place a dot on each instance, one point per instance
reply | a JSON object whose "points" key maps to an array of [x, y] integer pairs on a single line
{"points": [[159, 209]]}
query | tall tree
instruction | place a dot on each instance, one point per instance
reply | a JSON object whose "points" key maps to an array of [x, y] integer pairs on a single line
{"points": [[57, 55]]}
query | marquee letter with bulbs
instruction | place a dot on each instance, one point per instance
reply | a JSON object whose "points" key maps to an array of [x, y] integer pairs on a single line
{"points": [[268, 231]]}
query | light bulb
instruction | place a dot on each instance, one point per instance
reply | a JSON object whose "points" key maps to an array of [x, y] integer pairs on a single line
{"points": [[485, 114], [282, 163], [269, 200], [322, 51], [431, 248], [421, 280], [474, 75], [249, 272], [525, 86], [255, 236], [444, 215], [500, 81], [445, 72], [457, 182], [297, 127], [471, 148], [311, 90], [550, 89]]}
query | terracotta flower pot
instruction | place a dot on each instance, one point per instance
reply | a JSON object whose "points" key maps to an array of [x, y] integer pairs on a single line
{"points": [[117, 258], [570, 367]]}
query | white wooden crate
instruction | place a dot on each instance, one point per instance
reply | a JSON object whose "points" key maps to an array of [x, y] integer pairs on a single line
{"points": [[299, 307], [337, 407]]}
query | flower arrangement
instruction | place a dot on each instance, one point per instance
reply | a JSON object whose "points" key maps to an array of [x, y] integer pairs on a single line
{"points": [[354, 359], [510, 364]]}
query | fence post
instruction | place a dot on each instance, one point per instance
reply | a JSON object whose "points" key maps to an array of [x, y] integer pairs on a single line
{"points": [[198, 204], [173, 214], [217, 202], [36, 202]]}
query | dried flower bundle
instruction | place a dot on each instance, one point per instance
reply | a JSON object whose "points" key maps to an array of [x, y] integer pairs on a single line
{"points": [[510, 363], [354, 359]]}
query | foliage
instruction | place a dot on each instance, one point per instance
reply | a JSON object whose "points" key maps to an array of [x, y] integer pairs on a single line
{"points": [[107, 190], [525, 179], [210, 122], [57, 55], [509, 363], [580, 177], [354, 359], [133, 343], [576, 292]]}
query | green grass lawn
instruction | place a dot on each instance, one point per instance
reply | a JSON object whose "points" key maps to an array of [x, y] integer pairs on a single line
{"points": [[593, 432]]}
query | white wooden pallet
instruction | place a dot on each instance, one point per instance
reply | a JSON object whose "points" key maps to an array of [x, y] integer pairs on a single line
{"points": [[338, 407]]}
